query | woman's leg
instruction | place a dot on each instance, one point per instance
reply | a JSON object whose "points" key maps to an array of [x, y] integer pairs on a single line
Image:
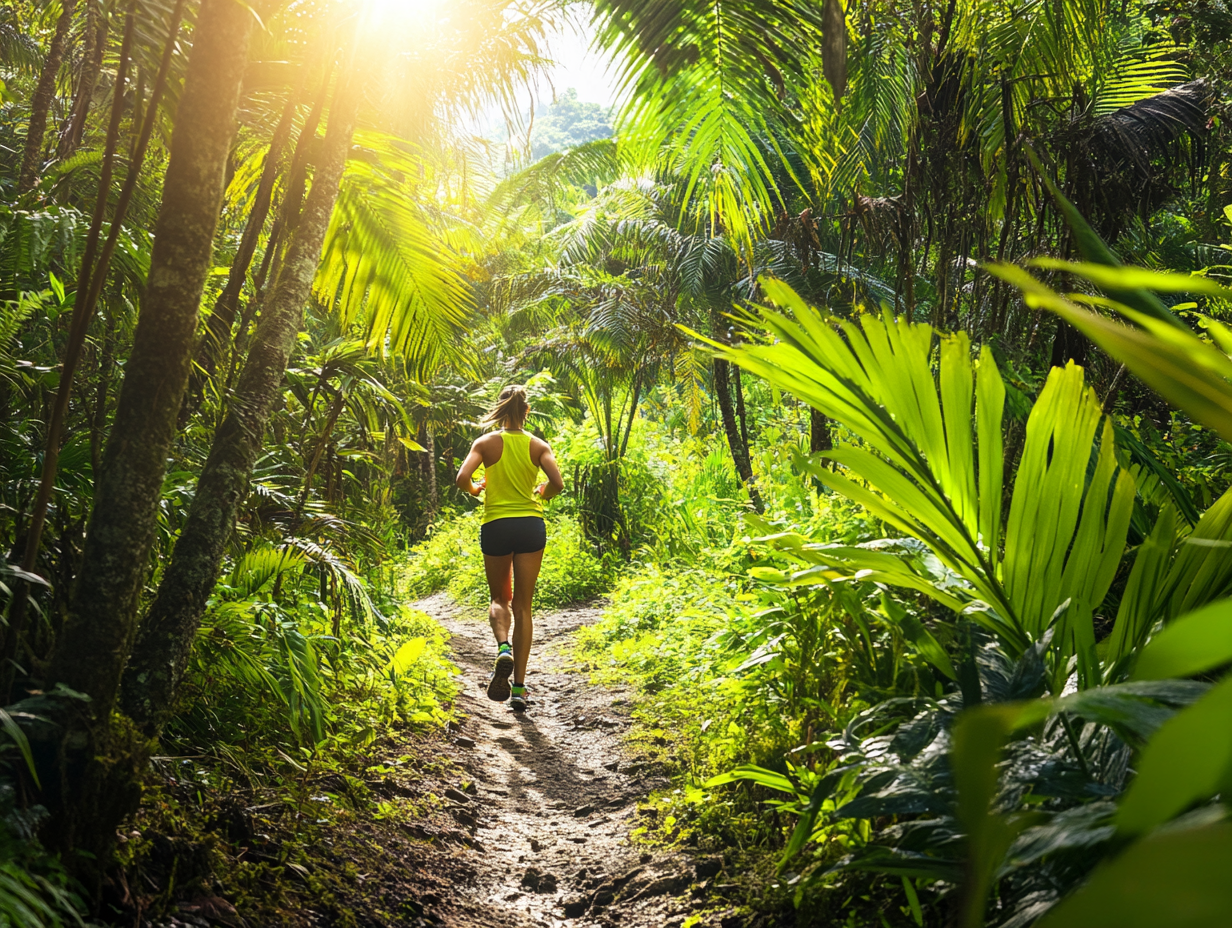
{"points": [[500, 585], [525, 575]]}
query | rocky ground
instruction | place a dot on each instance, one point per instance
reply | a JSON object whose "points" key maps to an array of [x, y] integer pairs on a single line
{"points": [[552, 798]]}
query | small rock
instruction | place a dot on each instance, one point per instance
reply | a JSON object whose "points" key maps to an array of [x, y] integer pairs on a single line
{"points": [[613, 766], [662, 886], [645, 857], [583, 811], [531, 878], [547, 883], [463, 742], [575, 906], [456, 795], [708, 867], [535, 845]]}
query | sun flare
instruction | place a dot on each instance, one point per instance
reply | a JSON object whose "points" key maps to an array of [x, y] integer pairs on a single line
{"points": [[395, 13]]}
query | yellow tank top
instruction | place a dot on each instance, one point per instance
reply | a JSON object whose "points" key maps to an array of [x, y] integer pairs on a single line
{"points": [[511, 481]]}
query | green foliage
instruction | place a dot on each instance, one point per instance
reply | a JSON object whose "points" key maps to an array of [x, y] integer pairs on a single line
{"points": [[451, 560], [568, 123]]}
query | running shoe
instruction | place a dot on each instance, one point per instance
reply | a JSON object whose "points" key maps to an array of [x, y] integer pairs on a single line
{"points": [[498, 683], [518, 701]]}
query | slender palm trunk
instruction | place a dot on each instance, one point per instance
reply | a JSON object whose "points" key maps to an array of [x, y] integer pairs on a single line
{"points": [[158, 661], [40, 102], [217, 335], [433, 490], [106, 366], [77, 332], [722, 387], [97, 27], [288, 212], [89, 289], [741, 415]]}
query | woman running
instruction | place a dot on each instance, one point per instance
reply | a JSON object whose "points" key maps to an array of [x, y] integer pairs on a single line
{"points": [[513, 536]]}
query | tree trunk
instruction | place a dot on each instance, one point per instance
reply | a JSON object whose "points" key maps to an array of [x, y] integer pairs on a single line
{"points": [[91, 654], [217, 333], [433, 491], [55, 419], [90, 760], [105, 367], [89, 288], [722, 387], [97, 28], [288, 211], [819, 432], [633, 398], [40, 102], [158, 661], [741, 417]]}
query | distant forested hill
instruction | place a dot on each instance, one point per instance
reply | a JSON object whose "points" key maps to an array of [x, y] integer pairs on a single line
{"points": [[568, 123]]}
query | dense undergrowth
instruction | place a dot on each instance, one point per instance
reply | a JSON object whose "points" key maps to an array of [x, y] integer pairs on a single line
{"points": [[263, 807]]}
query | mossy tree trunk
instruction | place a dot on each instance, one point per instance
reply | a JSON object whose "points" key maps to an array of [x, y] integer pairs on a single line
{"points": [[40, 102], [167, 634], [88, 783]]}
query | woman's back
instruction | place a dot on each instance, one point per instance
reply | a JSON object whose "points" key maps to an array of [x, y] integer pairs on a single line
{"points": [[510, 482]]}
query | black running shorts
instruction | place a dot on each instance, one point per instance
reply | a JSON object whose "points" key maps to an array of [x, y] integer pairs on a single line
{"points": [[520, 535]]}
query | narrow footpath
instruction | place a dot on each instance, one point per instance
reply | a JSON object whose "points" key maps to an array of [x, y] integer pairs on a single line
{"points": [[553, 798]]}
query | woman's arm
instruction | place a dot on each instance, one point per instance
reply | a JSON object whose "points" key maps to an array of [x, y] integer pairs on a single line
{"points": [[556, 483], [467, 470]]}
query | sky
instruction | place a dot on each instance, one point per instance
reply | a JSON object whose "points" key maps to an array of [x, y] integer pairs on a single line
{"points": [[576, 66]]}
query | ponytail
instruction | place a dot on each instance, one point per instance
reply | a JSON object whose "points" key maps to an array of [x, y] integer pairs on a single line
{"points": [[510, 409]]}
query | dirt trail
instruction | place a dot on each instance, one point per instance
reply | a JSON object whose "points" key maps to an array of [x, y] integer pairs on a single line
{"points": [[554, 798]]}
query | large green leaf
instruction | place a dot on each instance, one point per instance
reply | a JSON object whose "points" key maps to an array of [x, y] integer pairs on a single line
{"points": [[912, 399], [1187, 761], [1190, 373], [1173, 879], [1194, 644]]}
